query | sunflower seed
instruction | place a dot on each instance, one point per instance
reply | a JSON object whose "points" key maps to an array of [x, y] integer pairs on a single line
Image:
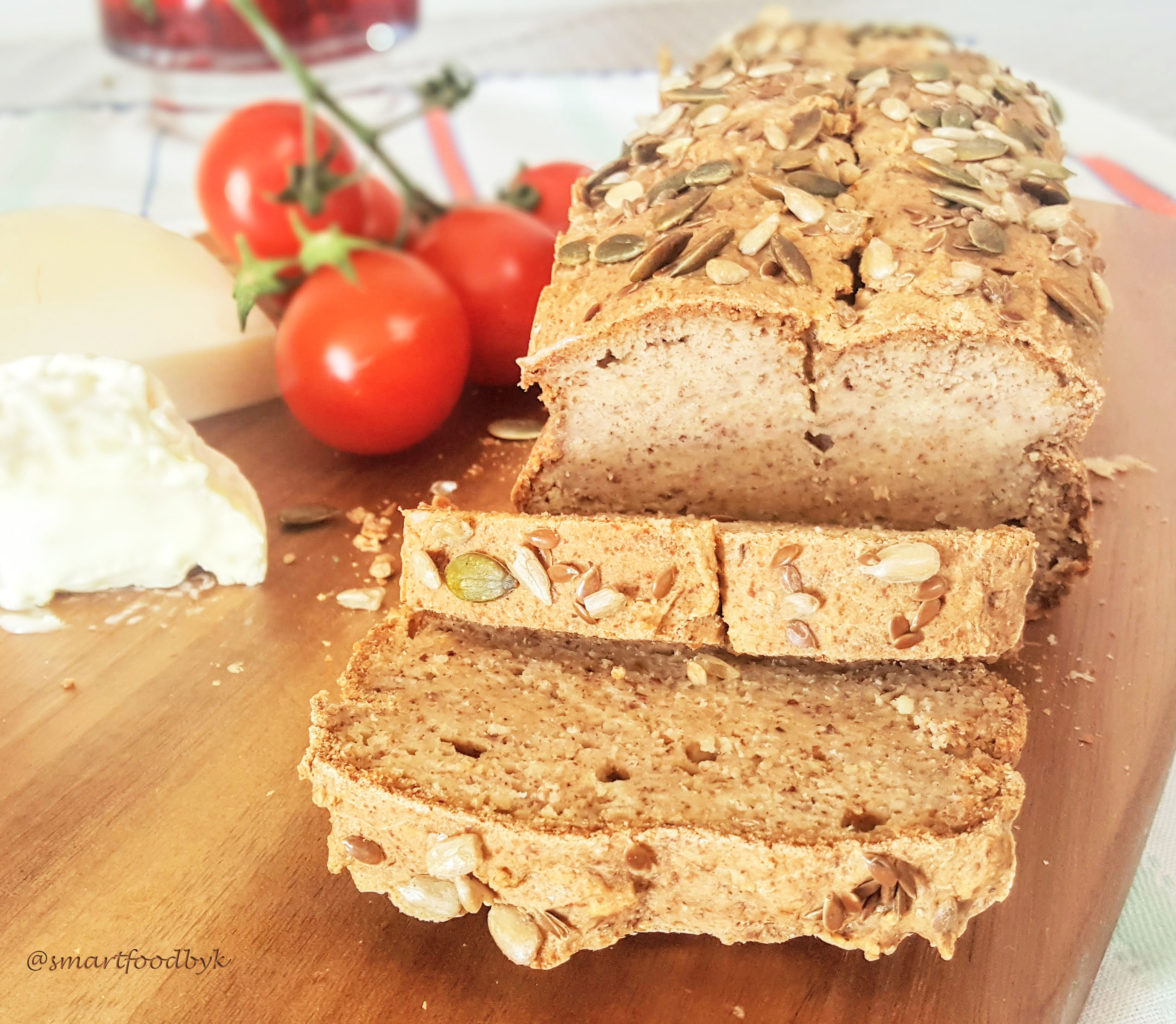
{"points": [[816, 184], [861, 71], [529, 571], [693, 94], [926, 613], [970, 94], [1049, 219], [477, 577], [986, 235], [935, 88], [514, 932], [877, 262], [881, 869], [299, 517], [961, 196], [957, 116], [1048, 193], [665, 119], [894, 108], [800, 634], [696, 673], [929, 117], [716, 667], [768, 187], [776, 136], [715, 172], [708, 116], [932, 147], [718, 79], [619, 249], [929, 71], [878, 78], [602, 603], [947, 172], [454, 856], [1069, 302], [905, 562], [930, 589], [425, 569], [625, 192], [365, 599], [675, 149], [805, 128], [1101, 292], [722, 271], [802, 205], [785, 556], [771, 68], [898, 626], [473, 893], [515, 429], [664, 583], [979, 148], [701, 251], [663, 251], [757, 237], [799, 604], [430, 899], [907, 878]]}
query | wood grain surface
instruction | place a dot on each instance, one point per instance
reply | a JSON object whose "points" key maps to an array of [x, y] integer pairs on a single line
{"points": [[150, 802]]}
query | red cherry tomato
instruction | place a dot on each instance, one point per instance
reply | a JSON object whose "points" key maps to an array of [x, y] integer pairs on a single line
{"points": [[498, 260], [553, 182], [373, 366], [246, 163], [382, 210]]}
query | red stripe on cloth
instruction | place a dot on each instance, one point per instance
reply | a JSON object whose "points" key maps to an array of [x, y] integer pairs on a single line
{"points": [[448, 155], [1130, 186]]}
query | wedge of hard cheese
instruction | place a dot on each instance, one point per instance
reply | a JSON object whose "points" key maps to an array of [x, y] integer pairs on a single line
{"points": [[828, 593], [586, 790]]}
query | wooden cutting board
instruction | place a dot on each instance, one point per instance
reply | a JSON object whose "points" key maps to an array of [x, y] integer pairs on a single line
{"points": [[150, 802]]}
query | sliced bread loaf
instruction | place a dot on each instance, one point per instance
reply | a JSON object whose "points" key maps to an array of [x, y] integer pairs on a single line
{"points": [[587, 790], [827, 593]]}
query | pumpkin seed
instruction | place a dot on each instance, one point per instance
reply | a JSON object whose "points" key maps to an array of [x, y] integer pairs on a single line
{"points": [[986, 235], [957, 116], [644, 149], [620, 249], [477, 577], [929, 117], [1018, 130], [860, 72], [980, 148], [298, 517], [946, 171], [929, 71], [1045, 168], [961, 196], [663, 251], [1070, 303], [1055, 108], [805, 128], [769, 187], [1048, 193], [693, 94], [816, 184], [715, 172], [597, 179], [572, 254], [1007, 88], [703, 250], [791, 260], [667, 188], [792, 159], [680, 210]]}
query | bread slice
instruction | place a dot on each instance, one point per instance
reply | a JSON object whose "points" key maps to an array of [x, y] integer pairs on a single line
{"points": [[849, 336], [752, 588], [587, 790]]}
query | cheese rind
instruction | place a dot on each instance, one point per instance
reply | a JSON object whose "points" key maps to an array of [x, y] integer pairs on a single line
{"points": [[107, 283], [104, 484]]}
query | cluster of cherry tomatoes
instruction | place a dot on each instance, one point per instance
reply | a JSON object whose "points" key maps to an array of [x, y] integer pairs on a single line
{"points": [[373, 359]]}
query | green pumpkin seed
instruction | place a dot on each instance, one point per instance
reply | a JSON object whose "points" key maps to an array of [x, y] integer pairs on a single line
{"points": [[929, 117], [816, 184], [644, 150], [961, 196], [1008, 88], [1046, 168], [805, 128], [790, 259], [792, 159], [663, 251], [929, 71], [957, 116], [979, 148], [475, 576], [598, 178], [666, 188], [986, 235], [1018, 130], [714, 172], [1071, 303], [1055, 108], [297, 517], [946, 172], [693, 94], [1048, 193], [620, 249], [860, 72], [706, 248], [680, 210], [572, 254]]}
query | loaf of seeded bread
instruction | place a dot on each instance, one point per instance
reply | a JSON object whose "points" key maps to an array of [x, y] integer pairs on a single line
{"points": [[837, 279], [828, 593], [587, 790]]}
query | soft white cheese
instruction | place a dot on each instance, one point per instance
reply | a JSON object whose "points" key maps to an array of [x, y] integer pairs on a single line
{"points": [[106, 283], [104, 484]]}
